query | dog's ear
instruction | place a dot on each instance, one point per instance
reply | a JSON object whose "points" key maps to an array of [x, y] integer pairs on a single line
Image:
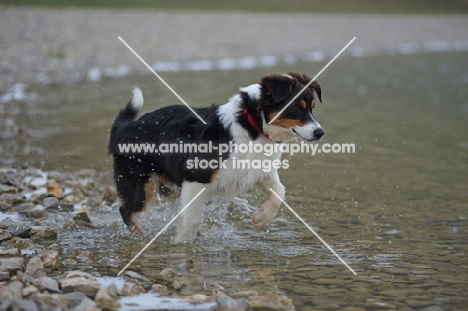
{"points": [[276, 86], [316, 86]]}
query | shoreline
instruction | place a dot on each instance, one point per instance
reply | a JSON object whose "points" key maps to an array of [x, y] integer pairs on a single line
{"points": [[40, 210], [55, 46]]}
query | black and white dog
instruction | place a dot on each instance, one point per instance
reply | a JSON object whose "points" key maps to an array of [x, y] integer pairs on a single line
{"points": [[243, 119]]}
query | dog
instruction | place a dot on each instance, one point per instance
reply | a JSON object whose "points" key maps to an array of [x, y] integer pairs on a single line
{"points": [[243, 119]]}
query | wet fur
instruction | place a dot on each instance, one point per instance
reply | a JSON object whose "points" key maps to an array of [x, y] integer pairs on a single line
{"points": [[136, 174]]}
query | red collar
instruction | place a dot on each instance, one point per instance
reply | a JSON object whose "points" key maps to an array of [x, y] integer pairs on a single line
{"points": [[254, 124]]}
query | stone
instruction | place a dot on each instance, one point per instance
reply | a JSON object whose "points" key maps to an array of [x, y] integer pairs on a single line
{"points": [[45, 233], [8, 189], [75, 298], [10, 252], [105, 301], [18, 304], [36, 214], [70, 224], [46, 301], [87, 305], [71, 199], [139, 277], [160, 289], [16, 242], [50, 259], [16, 287], [12, 199], [61, 207], [69, 262], [113, 290], [168, 275], [9, 177], [12, 265], [49, 201], [178, 284], [245, 293], [270, 303], [6, 293], [53, 188], [29, 290], [20, 230], [23, 277], [81, 282], [226, 303], [135, 275], [47, 284], [109, 195], [35, 267], [5, 237], [125, 290], [6, 223], [4, 276], [82, 216], [189, 264]]}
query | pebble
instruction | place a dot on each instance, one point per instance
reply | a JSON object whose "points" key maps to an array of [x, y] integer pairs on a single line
{"points": [[44, 233], [49, 201], [11, 252], [160, 289], [226, 303], [53, 188], [35, 267], [18, 304], [5, 236], [79, 281], [168, 275], [82, 216], [47, 284], [20, 230], [105, 301], [270, 303], [12, 265], [246, 293], [50, 259]]}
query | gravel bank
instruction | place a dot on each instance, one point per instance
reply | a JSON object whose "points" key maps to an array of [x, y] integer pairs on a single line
{"points": [[37, 272], [63, 45]]}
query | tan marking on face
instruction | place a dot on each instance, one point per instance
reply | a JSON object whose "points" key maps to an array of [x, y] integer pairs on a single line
{"points": [[286, 123], [303, 104], [214, 176], [312, 104]]}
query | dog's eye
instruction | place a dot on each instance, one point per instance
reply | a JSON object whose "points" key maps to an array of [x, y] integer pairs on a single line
{"points": [[296, 109]]}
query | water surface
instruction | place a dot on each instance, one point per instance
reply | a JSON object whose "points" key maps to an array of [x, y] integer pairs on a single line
{"points": [[395, 210]]}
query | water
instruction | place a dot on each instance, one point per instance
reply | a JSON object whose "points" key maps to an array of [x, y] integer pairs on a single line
{"points": [[395, 210]]}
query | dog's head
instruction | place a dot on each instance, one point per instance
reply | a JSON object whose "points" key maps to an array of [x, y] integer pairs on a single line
{"points": [[296, 120]]}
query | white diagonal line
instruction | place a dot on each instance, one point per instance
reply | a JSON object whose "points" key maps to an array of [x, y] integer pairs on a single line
{"points": [[160, 232], [162, 80], [315, 233], [313, 79]]}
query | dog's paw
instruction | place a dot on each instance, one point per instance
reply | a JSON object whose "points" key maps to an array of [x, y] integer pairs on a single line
{"points": [[136, 232], [262, 218]]}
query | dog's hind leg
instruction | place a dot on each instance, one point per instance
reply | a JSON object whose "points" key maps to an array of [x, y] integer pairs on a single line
{"points": [[191, 218], [135, 195]]}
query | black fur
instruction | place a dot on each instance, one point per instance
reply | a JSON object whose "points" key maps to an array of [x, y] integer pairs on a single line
{"points": [[169, 125]]}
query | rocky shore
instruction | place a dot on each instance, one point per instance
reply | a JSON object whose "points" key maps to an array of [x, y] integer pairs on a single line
{"points": [[37, 207]]}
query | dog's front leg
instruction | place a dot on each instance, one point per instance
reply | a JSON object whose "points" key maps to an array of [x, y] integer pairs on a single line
{"points": [[191, 218], [271, 205]]}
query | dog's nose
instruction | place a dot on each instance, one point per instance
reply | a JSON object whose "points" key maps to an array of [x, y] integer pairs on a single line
{"points": [[318, 133]]}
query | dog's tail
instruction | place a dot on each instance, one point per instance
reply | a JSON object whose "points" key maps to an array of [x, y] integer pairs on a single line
{"points": [[129, 112], [132, 108]]}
